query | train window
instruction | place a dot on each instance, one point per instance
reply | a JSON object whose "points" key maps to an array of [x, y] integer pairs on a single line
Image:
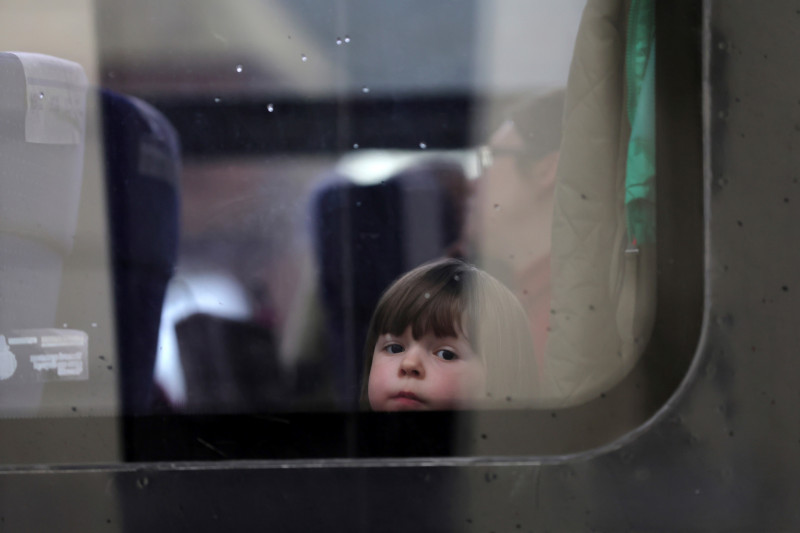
{"points": [[246, 230]]}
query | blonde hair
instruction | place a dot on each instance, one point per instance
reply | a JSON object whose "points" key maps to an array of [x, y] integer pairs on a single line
{"points": [[450, 297]]}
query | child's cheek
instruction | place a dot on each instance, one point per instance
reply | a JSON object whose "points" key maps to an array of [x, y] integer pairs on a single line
{"points": [[472, 385], [452, 390], [376, 388]]}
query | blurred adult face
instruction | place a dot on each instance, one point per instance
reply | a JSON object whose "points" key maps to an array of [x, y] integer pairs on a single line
{"points": [[513, 202]]}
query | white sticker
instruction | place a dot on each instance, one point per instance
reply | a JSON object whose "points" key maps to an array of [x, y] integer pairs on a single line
{"points": [[56, 93], [46, 355], [16, 341], [53, 341], [8, 362], [65, 364]]}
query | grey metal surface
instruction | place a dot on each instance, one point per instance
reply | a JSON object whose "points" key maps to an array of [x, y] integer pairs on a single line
{"points": [[721, 456]]}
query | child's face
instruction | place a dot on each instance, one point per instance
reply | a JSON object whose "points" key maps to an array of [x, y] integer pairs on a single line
{"points": [[430, 373]]}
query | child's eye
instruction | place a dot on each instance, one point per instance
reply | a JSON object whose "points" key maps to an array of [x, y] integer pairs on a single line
{"points": [[447, 355], [393, 348]]}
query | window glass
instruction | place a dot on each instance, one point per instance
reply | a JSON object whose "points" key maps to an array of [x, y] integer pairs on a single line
{"points": [[212, 210]]}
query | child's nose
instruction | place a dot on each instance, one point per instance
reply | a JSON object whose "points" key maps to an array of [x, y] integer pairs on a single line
{"points": [[411, 364]]}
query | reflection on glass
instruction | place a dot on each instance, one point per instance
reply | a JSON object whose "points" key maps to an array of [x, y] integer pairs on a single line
{"points": [[269, 169]]}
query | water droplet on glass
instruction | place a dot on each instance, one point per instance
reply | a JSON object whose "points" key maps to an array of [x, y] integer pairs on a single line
{"points": [[346, 39], [94, 324], [427, 296], [41, 96], [304, 58], [217, 100], [358, 204], [142, 482], [239, 68], [423, 146], [365, 89], [270, 108], [355, 146], [338, 41], [64, 325]]}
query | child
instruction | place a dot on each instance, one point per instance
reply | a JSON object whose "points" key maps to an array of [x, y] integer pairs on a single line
{"points": [[447, 336]]}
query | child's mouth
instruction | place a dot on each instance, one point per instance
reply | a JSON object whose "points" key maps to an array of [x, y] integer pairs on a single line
{"points": [[407, 398]]}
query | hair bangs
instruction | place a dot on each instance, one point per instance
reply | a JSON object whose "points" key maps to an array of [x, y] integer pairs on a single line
{"points": [[427, 306]]}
